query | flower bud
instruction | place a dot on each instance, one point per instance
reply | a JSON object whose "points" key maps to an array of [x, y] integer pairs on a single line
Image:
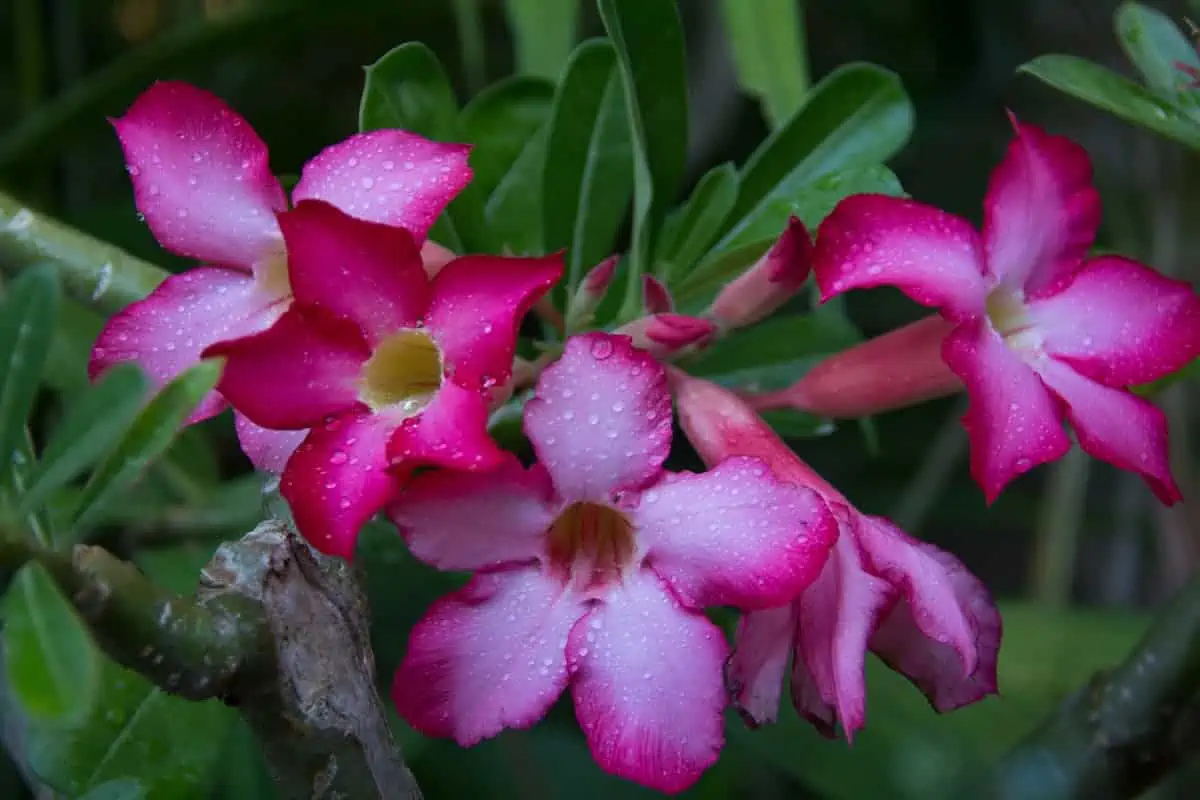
{"points": [[772, 281], [656, 296], [667, 336], [590, 293]]}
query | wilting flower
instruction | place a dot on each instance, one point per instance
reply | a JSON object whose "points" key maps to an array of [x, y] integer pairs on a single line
{"points": [[591, 571], [203, 184], [912, 604], [389, 369], [1040, 330], [769, 283]]}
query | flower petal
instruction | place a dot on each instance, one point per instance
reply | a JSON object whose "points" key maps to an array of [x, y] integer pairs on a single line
{"points": [[944, 630], [450, 432], [200, 176], [296, 373], [392, 177], [1013, 422], [167, 331], [734, 536], [1120, 322], [1041, 211], [267, 449], [647, 685], [873, 240], [338, 479], [755, 671], [600, 418], [478, 304], [1115, 426], [488, 657], [360, 271], [469, 521]]}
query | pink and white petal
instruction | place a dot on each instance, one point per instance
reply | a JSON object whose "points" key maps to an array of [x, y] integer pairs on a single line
{"points": [[450, 432], [734, 536], [296, 373], [1120, 322], [167, 332], [488, 657], [200, 176], [267, 449], [338, 478], [475, 520], [360, 271], [392, 177], [600, 418], [943, 632], [1041, 211], [477, 307], [647, 685], [1116, 426], [1013, 422], [755, 672], [836, 618], [934, 257]]}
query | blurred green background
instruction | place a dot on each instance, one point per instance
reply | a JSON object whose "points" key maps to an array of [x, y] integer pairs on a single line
{"points": [[1077, 552]]}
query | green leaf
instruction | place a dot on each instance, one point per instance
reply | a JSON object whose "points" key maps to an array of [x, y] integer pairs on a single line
{"points": [[765, 36], [1157, 47], [27, 323], [543, 34], [149, 436], [91, 425], [1106, 90], [500, 121], [858, 115], [67, 365], [120, 789], [514, 209], [692, 229], [50, 663], [589, 161], [650, 53], [408, 88]]}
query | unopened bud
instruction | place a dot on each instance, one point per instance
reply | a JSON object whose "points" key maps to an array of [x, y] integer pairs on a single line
{"points": [[656, 296], [590, 292], [667, 336], [772, 281]]}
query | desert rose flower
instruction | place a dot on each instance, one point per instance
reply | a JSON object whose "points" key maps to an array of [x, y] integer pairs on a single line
{"points": [[591, 572], [388, 368], [1041, 331], [912, 604], [202, 182]]}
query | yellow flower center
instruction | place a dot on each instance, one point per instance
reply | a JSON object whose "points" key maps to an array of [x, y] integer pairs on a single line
{"points": [[591, 543], [1007, 312], [271, 276], [404, 372]]}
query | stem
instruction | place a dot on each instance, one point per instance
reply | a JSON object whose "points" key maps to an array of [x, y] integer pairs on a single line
{"points": [[1057, 538], [936, 468], [471, 42], [95, 273]]}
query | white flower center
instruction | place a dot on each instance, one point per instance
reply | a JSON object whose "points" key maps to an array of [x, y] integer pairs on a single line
{"points": [[403, 373]]}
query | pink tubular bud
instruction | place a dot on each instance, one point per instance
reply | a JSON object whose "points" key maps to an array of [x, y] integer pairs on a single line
{"points": [[656, 296], [900, 368], [772, 281], [667, 336], [590, 292], [434, 257]]}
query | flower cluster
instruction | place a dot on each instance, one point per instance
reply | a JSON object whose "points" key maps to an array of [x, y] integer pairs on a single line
{"points": [[363, 363]]}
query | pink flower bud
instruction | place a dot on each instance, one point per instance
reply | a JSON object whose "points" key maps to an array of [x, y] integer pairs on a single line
{"points": [[656, 295], [590, 292], [772, 281], [667, 336], [900, 368]]}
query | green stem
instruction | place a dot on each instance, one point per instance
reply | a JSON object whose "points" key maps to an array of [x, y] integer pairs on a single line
{"points": [[1059, 524], [471, 42], [931, 477], [95, 273]]}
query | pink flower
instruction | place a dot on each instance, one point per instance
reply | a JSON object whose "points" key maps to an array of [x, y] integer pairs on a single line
{"points": [[773, 280], [591, 572], [1041, 332], [912, 604], [388, 368], [201, 180]]}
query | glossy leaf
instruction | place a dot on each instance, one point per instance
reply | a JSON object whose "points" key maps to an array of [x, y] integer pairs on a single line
{"points": [[27, 322], [50, 664], [119, 789], [543, 34], [1157, 47], [500, 122], [765, 36], [149, 436], [408, 88], [692, 229], [858, 115], [589, 161], [648, 38], [89, 428], [1106, 90], [514, 210], [14, 480]]}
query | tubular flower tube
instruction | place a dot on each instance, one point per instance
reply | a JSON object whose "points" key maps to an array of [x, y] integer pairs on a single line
{"points": [[389, 369], [202, 182], [592, 570], [900, 368], [667, 336], [769, 283], [1040, 330], [912, 604]]}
